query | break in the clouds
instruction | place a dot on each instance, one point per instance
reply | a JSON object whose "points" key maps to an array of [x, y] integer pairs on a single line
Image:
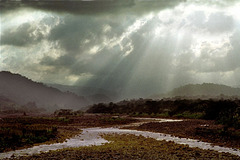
{"points": [[137, 48]]}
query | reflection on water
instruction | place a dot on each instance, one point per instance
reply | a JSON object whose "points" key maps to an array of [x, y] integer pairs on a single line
{"points": [[160, 136], [85, 139], [147, 120]]}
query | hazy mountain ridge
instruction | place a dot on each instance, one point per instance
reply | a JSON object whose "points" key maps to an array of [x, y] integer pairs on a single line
{"points": [[204, 90], [8, 106], [94, 95], [23, 90]]}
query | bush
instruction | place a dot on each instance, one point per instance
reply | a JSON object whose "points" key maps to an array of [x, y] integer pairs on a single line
{"points": [[17, 136]]}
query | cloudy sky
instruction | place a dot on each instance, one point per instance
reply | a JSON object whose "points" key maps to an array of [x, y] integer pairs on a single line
{"points": [[135, 47]]}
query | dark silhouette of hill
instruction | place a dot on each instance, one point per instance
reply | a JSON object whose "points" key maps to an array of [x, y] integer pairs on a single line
{"points": [[205, 90], [23, 90]]}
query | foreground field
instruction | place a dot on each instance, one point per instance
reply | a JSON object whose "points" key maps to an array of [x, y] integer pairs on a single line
{"points": [[19, 132], [126, 146], [133, 147]]}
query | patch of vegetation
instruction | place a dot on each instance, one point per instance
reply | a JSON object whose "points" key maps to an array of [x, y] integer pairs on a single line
{"points": [[24, 131], [189, 115], [14, 136], [111, 120], [64, 119], [226, 112]]}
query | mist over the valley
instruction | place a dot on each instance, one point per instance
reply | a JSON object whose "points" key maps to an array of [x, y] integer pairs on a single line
{"points": [[19, 94]]}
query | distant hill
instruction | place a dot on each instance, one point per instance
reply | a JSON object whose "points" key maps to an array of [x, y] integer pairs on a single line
{"points": [[24, 91], [92, 94], [202, 90]]}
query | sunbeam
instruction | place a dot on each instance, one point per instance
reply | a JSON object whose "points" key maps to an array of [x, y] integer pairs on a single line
{"points": [[136, 52], [66, 65]]}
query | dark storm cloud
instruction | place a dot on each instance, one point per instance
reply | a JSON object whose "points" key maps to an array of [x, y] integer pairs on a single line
{"points": [[62, 61], [104, 6], [73, 31], [110, 70], [28, 33], [76, 36], [23, 35], [95, 6], [125, 48]]}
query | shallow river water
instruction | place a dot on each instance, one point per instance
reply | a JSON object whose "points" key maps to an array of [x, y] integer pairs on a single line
{"points": [[91, 136]]}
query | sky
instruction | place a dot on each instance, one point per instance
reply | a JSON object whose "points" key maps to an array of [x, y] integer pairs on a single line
{"points": [[134, 47]]}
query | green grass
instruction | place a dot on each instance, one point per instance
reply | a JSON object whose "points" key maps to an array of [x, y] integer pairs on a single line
{"points": [[189, 115]]}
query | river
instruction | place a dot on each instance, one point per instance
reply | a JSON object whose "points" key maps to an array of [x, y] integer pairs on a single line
{"points": [[91, 136]]}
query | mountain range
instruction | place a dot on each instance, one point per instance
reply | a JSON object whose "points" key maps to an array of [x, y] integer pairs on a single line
{"points": [[22, 91], [205, 90], [92, 94], [18, 93]]}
